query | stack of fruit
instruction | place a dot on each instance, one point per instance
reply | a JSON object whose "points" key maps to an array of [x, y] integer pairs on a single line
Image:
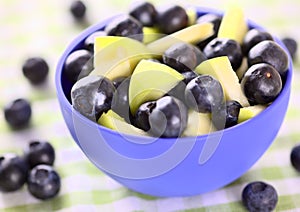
{"points": [[169, 73]]}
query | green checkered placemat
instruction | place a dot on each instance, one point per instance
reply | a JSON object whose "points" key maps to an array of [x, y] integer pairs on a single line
{"points": [[44, 28]]}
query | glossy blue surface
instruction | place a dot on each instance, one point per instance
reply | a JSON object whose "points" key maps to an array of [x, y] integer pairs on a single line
{"points": [[239, 148]]}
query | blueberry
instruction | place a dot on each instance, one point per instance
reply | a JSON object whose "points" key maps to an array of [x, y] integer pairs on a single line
{"points": [[90, 40], [141, 118], [18, 113], [92, 95], [118, 81], [35, 69], [209, 18], [189, 76], [183, 57], [120, 102], [291, 45], [171, 19], [204, 94], [295, 157], [225, 47], [76, 63], [168, 118], [144, 12], [271, 53], [39, 152], [253, 37], [226, 115], [125, 26], [43, 182], [78, 9], [261, 84], [13, 172], [179, 89], [259, 197]]}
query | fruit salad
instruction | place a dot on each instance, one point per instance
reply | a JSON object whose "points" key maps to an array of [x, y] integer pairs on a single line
{"points": [[169, 72]]}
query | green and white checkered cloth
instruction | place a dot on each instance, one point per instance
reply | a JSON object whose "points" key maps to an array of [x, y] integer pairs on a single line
{"points": [[44, 28]]}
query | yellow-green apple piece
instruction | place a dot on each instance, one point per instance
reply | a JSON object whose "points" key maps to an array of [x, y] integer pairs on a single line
{"points": [[198, 124], [192, 15], [112, 120], [192, 34], [249, 112], [242, 69], [150, 81], [221, 69], [117, 56], [151, 34], [233, 25]]}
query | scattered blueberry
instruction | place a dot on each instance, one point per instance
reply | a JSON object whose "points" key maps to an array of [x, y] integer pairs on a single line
{"points": [[171, 19], [271, 53], [295, 157], [13, 172], [76, 63], [253, 37], [125, 26], [39, 152], [291, 45], [144, 12], [18, 113], [92, 95], [78, 9], [259, 196], [261, 84], [225, 47], [43, 182], [204, 94], [35, 69], [168, 118]]}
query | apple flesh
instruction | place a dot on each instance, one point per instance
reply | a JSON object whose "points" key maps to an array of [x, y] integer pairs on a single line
{"points": [[192, 34], [151, 34], [198, 124], [233, 25], [117, 56], [150, 81], [113, 121], [220, 68], [249, 112]]}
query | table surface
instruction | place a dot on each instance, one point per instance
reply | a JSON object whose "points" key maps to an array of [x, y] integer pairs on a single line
{"points": [[45, 28]]}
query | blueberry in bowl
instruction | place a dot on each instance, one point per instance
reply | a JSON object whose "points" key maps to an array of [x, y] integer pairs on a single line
{"points": [[197, 156]]}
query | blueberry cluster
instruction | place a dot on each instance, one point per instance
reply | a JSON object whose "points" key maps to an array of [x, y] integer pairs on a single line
{"points": [[34, 167]]}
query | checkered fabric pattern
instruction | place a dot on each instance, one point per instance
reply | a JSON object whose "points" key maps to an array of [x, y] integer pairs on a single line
{"points": [[44, 28]]}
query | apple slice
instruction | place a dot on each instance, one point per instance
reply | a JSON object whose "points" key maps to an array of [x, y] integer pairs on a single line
{"points": [[242, 69], [249, 112], [233, 25], [150, 81], [151, 34], [112, 120], [192, 34], [198, 124], [192, 15], [220, 68], [117, 56]]}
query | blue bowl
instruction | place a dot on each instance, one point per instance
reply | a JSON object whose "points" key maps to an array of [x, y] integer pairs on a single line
{"points": [[169, 166]]}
